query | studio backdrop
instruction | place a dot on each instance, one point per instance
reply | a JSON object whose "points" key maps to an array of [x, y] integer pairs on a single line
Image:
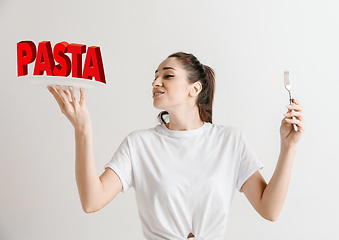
{"points": [[249, 44]]}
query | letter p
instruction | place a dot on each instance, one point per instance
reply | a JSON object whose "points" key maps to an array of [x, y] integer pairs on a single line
{"points": [[26, 53]]}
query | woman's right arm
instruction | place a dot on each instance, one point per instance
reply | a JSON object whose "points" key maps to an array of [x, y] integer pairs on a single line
{"points": [[94, 192]]}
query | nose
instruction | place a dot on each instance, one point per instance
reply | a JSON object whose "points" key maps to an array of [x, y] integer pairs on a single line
{"points": [[156, 82]]}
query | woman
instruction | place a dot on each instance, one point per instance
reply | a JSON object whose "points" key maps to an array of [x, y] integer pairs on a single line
{"points": [[185, 171]]}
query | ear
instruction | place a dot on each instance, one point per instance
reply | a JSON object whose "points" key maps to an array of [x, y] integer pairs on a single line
{"points": [[196, 89]]}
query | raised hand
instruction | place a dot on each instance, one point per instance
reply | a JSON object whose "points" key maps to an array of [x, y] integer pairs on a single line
{"points": [[288, 136], [76, 112]]}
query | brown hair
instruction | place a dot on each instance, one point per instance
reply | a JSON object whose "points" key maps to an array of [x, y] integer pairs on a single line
{"points": [[197, 72]]}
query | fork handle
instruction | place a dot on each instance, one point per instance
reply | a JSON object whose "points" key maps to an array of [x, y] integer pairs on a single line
{"points": [[293, 117], [294, 125]]}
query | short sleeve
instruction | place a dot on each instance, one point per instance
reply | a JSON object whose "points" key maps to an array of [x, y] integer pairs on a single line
{"points": [[121, 163], [248, 162]]}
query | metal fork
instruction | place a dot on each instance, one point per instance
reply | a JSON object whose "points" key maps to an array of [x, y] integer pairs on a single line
{"points": [[288, 88]]}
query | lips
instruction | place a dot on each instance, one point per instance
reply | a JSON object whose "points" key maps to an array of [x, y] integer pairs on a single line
{"points": [[156, 91], [156, 94]]}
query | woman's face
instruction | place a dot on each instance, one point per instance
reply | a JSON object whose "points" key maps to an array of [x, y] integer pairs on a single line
{"points": [[171, 79]]}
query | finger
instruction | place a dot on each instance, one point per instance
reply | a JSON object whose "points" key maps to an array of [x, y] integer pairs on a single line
{"points": [[299, 123], [74, 97], [82, 96], [296, 107], [296, 101], [293, 113], [61, 93], [67, 96], [65, 99], [298, 114], [57, 98], [296, 121]]}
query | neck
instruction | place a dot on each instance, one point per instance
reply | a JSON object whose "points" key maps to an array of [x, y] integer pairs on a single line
{"points": [[184, 126]]}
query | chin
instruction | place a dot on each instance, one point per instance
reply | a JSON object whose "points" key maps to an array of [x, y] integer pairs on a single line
{"points": [[158, 106]]}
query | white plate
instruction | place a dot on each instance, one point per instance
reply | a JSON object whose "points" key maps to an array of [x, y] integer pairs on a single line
{"points": [[63, 82]]}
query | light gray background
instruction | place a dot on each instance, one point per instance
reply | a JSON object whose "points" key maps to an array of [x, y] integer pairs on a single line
{"points": [[249, 44]]}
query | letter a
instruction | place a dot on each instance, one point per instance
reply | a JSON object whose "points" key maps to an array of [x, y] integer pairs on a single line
{"points": [[93, 66], [44, 60]]}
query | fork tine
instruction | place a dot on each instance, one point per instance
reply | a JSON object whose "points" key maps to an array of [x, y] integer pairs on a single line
{"points": [[286, 78]]}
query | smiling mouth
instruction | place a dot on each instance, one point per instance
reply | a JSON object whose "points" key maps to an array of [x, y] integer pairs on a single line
{"points": [[157, 94]]}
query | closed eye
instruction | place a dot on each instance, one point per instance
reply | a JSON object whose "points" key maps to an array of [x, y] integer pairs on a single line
{"points": [[165, 77]]}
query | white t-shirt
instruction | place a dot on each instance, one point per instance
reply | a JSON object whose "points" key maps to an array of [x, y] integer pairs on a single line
{"points": [[184, 181]]}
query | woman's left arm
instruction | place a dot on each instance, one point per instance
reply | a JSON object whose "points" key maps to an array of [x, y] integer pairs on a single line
{"points": [[268, 199]]}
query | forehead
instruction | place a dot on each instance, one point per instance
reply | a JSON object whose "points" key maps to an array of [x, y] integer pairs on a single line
{"points": [[169, 62]]}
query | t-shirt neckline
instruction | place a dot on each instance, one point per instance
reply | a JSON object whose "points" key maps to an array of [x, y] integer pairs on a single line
{"points": [[175, 133]]}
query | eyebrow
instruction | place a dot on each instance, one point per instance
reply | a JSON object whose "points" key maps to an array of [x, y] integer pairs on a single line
{"points": [[165, 69]]}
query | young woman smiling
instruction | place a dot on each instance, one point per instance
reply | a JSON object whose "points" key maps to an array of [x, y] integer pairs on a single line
{"points": [[184, 171]]}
